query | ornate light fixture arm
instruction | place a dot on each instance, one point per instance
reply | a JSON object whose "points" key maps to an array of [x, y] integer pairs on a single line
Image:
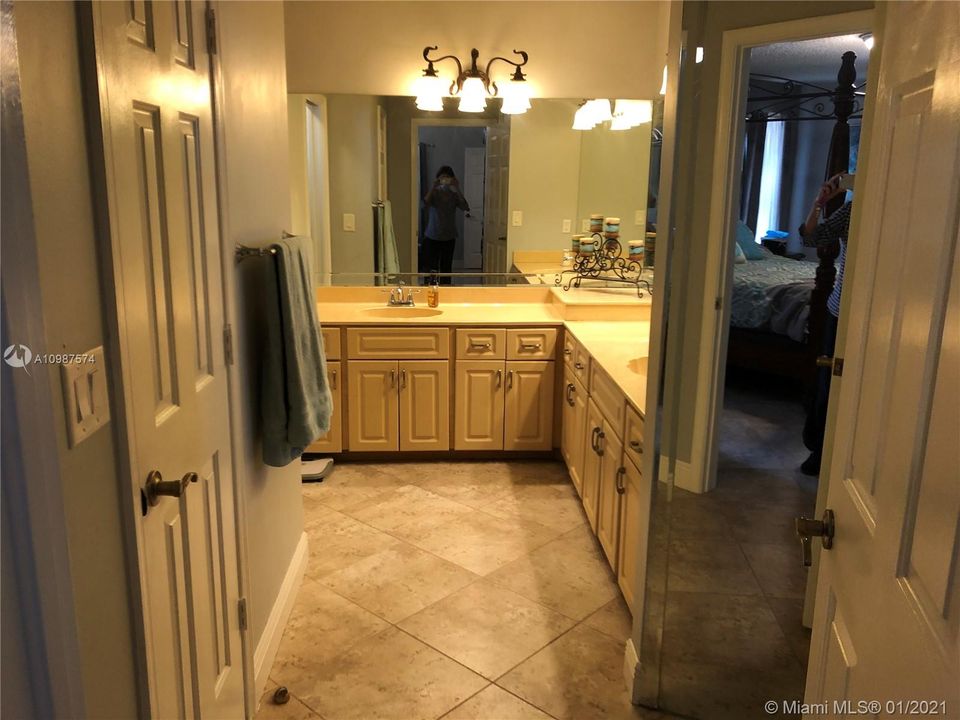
{"points": [[517, 72]]}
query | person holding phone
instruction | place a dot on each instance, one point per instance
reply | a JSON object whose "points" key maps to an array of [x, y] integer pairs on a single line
{"points": [[440, 238], [834, 229]]}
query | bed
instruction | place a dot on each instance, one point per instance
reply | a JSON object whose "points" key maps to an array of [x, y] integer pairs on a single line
{"points": [[779, 305]]}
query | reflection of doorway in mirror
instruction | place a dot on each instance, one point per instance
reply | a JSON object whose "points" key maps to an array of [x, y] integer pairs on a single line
{"points": [[474, 169], [318, 198]]}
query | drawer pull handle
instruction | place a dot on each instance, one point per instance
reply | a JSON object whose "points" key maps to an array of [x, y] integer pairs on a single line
{"points": [[480, 346], [509, 379], [403, 379], [531, 346], [593, 439], [636, 446], [578, 365], [333, 379], [621, 471], [393, 378], [499, 378], [571, 389], [600, 442], [567, 351]]}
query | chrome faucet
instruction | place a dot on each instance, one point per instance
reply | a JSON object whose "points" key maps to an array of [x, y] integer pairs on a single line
{"points": [[397, 298]]}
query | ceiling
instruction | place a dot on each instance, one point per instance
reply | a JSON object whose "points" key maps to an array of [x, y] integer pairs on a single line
{"points": [[814, 60]]}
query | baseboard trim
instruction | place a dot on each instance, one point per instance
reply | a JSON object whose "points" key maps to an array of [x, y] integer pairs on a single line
{"points": [[683, 477], [269, 642], [631, 667]]}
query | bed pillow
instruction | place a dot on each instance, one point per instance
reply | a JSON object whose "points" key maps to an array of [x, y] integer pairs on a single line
{"points": [[748, 244], [738, 257]]}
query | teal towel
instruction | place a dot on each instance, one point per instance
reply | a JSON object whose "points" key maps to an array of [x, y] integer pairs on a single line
{"points": [[295, 402]]}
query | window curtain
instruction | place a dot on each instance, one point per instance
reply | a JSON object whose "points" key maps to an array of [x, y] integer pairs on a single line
{"points": [[752, 168], [768, 202]]}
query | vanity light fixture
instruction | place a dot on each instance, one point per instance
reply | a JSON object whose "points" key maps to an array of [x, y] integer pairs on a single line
{"points": [[867, 40], [625, 115], [473, 86]]}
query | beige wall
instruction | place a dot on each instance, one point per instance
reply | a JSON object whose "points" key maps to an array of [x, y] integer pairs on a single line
{"points": [[255, 211], [375, 47], [544, 175], [614, 173], [704, 23], [73, 312]]}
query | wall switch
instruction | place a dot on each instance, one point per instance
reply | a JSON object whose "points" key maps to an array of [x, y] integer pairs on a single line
{"points": [[85, 397], [567, 226], [640, 217], [349, 222], [517, 218], [584, 226]]}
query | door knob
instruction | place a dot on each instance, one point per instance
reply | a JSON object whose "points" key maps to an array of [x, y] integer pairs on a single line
{"points": [[157, 487], [835, 364], [807, 529]]}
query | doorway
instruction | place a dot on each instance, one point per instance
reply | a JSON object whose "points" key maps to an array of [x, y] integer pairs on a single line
{"points": [[318, 187]]}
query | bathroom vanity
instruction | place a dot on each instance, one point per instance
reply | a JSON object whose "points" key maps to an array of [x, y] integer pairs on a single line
{"points": [[501, 371]]}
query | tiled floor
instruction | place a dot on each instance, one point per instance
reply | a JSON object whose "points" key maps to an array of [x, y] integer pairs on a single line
{"points": [[732, 634], [470, 590]]}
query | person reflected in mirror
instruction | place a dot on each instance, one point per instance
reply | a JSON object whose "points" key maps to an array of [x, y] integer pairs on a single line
{"points": [[834, 229], [440, 238]]}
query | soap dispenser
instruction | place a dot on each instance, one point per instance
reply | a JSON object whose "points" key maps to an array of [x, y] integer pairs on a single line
{"points": [[433, 292]]}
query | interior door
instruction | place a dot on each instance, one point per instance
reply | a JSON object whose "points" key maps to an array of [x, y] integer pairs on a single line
{"points": [[374, 414], [495, 200], [155, 106], [479, 406], [528, 418], [424, 405], [888, 595], [474, 169]]}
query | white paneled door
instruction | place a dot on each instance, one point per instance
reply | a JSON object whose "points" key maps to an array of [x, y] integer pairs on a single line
{"points": [[474, 171], [153, 73], [888, 596]]}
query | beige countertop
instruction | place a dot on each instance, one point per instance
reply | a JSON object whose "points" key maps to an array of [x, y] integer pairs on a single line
{"points": [[464, 313], [621, 347]]}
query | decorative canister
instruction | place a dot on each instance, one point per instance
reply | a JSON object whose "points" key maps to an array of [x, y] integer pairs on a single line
{"points": [[587, 246], [596, 223], [637, 250], [612, 225], [650, 244], [575, 242]]}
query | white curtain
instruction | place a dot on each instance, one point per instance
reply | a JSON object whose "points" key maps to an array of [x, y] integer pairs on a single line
{"points": [[768, 212]]}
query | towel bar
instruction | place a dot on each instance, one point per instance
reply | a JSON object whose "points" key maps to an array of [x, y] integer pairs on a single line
{"points": [[242, 252]]}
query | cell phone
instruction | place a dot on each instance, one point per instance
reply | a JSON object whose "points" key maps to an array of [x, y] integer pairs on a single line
{"points": [[846, 182]]}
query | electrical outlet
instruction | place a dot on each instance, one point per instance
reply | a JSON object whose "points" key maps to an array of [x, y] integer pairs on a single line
{"points": [[567, 225], [517, 218], [639, 217], [349, 222], [584, 226]]}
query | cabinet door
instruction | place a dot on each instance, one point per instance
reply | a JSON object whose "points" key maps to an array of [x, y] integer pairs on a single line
{"points": [[608, 495], [593, 428], [528, 422], [479, 405], [373, 416], [332, 442], [634, 533], [574, 416], [424, 405]]}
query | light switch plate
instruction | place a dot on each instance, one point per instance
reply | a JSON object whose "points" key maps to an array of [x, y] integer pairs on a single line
{"points": [[585, 226], [517, 218], [86, 403], [567, 225], [349, 222], [639, 217]]}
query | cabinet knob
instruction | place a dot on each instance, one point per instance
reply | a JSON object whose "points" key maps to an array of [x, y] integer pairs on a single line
{"points": [[578, 365], [636, 446]]}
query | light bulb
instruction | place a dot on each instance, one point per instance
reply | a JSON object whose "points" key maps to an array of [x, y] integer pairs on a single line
{"points": [[516, 97], [600, 111], [632, 113], [582, 119], [473, 95], [430, 91], [663, 85]]}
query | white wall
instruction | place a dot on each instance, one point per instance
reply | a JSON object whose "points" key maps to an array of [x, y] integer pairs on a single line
{"points": [[544, 175], [577, 49], [256, 210]]}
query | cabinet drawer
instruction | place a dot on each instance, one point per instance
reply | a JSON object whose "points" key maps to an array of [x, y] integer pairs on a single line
{"points": [[633, 435], [332, 442], [608, 398], [535, 344], [398, 343], [569, 349], [581, 363], [331, 342], [481, 344]]}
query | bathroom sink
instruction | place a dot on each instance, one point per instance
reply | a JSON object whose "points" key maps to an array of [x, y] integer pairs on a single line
{"points": [[638, 365], [402, 312]]}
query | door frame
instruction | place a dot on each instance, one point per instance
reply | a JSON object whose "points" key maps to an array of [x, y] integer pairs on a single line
{"points": [[415, 199], [728, 146], [120, 374]]}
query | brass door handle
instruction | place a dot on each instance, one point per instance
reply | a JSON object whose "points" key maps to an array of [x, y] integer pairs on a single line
{"points": [[499, 378], [600, 438], [571, 388], [509, 379], [156, 487], [530, 346], [621, 471], [403, 379], [835, 364], [807, 529], [593, 439], [393, 378], [636, 446], [333, 379], [480, 346]]}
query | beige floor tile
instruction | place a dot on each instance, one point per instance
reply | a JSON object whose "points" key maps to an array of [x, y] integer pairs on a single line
{"points": [[474, 484], [709, 565], [408, 504], [494, 703], [789, 614], [561, 575], [612, 619], [398, 582], [390, 676], [578, 676], [293, 709], [337, 541], [352, 483], [321, 626], [478, 541], [557, 506], [778, 569], [486, 628]]}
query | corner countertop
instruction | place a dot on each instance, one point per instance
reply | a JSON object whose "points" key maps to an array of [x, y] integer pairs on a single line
{"points": [[621, 347]]}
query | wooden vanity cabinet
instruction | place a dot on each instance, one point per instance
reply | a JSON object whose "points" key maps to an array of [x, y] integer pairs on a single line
{"points": [[332, 442], [592, 461], [574, 404], [424, 405], [528, 405], [635, 503], [479, 394], [374, 405]]}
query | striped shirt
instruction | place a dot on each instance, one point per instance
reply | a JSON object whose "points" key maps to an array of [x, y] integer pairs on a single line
{"points": [[833, 229]]}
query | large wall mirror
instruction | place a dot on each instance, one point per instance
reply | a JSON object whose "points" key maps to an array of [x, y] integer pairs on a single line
{"points": [[362, 165]]}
